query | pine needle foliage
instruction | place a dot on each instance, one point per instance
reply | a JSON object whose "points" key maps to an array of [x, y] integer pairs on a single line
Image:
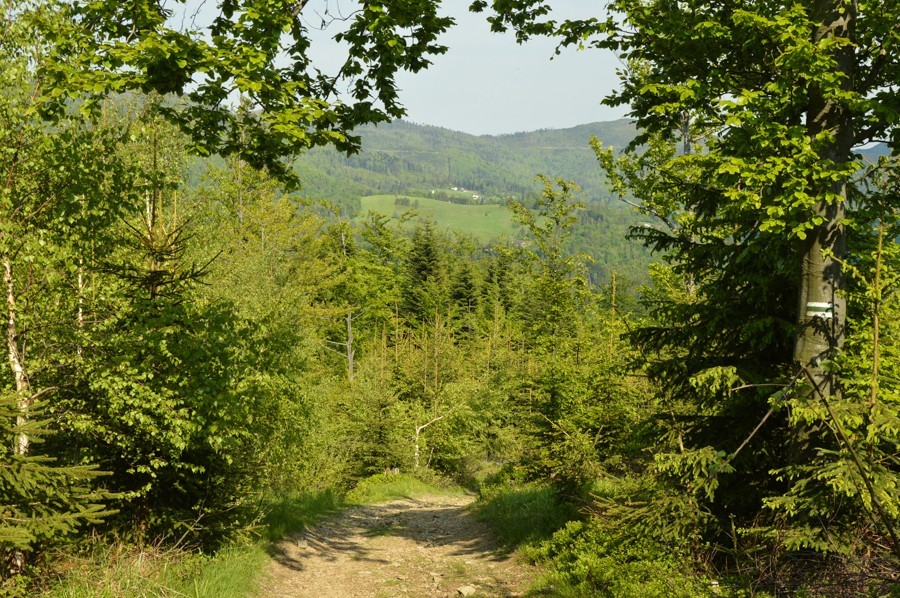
{"points": [[41, 501]]}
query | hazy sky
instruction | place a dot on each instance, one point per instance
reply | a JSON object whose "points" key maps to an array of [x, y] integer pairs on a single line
{"points": [[488, 84]]}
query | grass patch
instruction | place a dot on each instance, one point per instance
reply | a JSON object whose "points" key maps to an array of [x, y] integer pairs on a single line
{"points": [[522, 514], [387, 486], [485, 222], [116, 570], [236, 571], [119, 570]]}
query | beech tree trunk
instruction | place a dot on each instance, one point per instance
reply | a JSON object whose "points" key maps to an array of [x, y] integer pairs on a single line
{"points": [[822, 313]]}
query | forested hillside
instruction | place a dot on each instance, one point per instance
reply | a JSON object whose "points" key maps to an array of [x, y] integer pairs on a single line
{"points": [[402, 157], [402, 168], [203, 354]]}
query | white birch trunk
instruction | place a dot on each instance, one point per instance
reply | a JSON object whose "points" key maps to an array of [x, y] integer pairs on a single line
{"points": [[419, 430], [351, 352], [15, 357]]}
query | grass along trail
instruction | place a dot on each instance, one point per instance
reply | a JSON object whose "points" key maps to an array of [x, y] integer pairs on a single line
{"points": [[428, 546]]}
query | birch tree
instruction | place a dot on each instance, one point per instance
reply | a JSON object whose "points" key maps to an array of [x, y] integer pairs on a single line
{"points": [[53, 203]]}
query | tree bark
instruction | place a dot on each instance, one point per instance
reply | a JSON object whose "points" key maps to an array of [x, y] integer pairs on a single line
{"points": [[22, 441], [822, 309], [351, 352]]}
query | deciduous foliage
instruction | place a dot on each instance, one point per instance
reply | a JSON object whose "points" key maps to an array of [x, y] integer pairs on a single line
{"points": [[783, 131], [54, 208], [105, 313], [258, 49], [204, 345]]}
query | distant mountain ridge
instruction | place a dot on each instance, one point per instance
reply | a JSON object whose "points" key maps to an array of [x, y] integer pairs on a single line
{"points": [[405, 157], [401, 157]]}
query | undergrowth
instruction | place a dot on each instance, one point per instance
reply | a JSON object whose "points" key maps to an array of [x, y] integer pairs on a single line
{"points": [[112, 570], [590, 558], [585, 557], [522, 516]]}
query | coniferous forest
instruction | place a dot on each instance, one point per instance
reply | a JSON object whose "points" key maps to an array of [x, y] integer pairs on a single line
{"points": [[682, 379]]}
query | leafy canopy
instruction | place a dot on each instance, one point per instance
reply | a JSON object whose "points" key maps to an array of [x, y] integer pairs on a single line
{"points": [[257, 49]]}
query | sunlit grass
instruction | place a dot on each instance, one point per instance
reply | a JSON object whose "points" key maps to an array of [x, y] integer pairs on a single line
{"points": [[522, 514], [387, 486], [484, 222], [114, 571]]}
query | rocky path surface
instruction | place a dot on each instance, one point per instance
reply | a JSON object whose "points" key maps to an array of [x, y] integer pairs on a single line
{"points": [[425, 547]]}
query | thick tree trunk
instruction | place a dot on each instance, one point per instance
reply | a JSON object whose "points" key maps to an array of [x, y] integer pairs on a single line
{"points": [[822, 310]]}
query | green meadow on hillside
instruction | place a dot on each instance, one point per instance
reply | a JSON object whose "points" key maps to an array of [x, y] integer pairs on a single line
{"points": [[484, 222]]}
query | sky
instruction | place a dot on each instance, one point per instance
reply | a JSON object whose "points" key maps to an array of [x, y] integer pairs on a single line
{"points": [[486, 83]]}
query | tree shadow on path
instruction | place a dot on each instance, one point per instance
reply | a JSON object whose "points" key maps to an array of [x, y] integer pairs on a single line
{"points": [[439, 545]]}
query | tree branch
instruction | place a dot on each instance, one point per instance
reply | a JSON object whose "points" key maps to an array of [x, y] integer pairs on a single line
{"points": [[859, 465]]}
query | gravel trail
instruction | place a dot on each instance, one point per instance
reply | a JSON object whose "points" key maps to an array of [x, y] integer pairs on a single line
{"points": [[430, 546]]}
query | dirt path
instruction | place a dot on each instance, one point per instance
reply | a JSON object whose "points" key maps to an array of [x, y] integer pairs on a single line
{"points": [[425, 547]]}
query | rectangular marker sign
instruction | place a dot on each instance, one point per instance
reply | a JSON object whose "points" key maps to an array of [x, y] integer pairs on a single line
{"points": [[820, 310]]}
